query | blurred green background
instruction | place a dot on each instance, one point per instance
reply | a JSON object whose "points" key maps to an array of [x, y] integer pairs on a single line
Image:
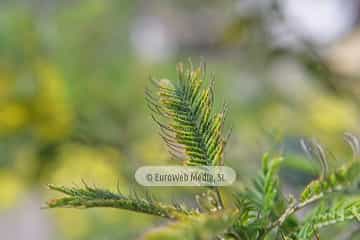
{"points": [[72, 80]]}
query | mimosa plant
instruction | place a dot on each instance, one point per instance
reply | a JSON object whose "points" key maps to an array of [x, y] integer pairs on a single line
{"points": [[194, 134]]}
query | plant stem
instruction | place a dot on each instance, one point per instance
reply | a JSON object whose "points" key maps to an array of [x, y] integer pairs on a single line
{"points": [[292, 209], [288, 212], [218, 195]]}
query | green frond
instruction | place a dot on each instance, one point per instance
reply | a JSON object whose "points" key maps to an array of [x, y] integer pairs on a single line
{"points": [[245, 224], [262, 203], [90, 197], [340, 179], [265, 188], [271, 182], [184, 112], [325, 216]]}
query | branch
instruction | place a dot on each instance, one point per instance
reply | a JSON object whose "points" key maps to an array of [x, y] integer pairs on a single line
{"points": [[90, 197], [292, 209], [337, 181], [325, 216]]}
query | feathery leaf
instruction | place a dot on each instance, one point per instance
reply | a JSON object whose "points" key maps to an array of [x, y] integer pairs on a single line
{"points": [[184, 112], [340, 179], [325, 216], [89, 197]]}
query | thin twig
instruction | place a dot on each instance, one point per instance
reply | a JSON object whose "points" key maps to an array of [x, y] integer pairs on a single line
{"points": [[218, 195], [292, 209]]}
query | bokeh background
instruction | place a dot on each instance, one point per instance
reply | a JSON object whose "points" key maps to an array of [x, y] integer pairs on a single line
{"points": [[72, 80]]}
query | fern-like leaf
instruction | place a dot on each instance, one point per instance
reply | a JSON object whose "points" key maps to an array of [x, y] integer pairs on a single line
{"points": [[262, 203], [325, 216], [90, 197], [340, 179], [184, 112], [265, 189]]}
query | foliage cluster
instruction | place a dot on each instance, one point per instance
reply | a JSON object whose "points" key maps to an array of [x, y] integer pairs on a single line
{"points": [[194, 134]]}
